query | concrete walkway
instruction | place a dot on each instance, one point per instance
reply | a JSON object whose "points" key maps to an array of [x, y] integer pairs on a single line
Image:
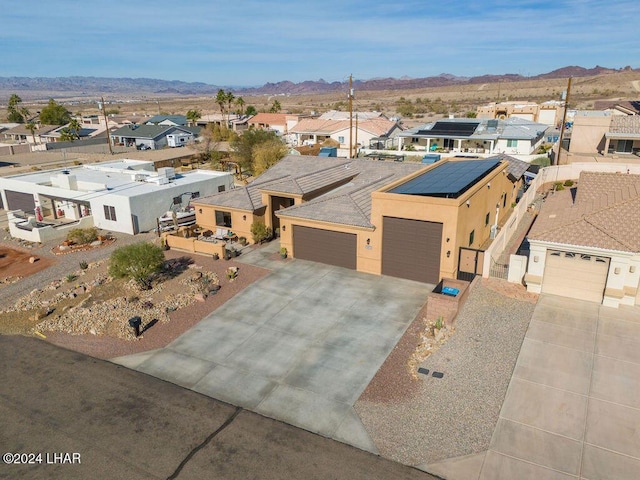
{"points": [[572, 410], [300, 345]]}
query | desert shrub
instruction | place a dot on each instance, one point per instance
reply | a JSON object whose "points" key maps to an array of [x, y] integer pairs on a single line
{"points": [[568, 183], [82, 235], [84, 265], [139, 261], [260, 232], [557, 186]]}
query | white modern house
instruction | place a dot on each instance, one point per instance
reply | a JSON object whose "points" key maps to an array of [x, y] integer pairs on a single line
{"points": [[513, 136], [122, 196]]}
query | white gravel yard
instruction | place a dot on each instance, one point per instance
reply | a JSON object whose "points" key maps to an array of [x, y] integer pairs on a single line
{"points": [[431, 419]]}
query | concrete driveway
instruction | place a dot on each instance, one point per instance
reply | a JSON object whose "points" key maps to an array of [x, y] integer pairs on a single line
{"points": [[300, 345], [572, 409]]}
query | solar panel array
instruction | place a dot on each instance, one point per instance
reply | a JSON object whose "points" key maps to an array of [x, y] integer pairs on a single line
{"points": [[449, 180], [451, 129]]}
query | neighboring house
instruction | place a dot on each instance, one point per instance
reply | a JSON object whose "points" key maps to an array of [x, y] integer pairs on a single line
{"points": [[21, 134], [549, 113], [605, 133], [585, 243], [281, 123], [310, 131], [513, 136], [400, 219], [233, 121], [168, 120], [122, 196], [627, 107], [152, 136], [338, 115]]}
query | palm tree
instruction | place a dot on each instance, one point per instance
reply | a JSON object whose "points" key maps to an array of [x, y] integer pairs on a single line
{"points": [[75, 127], [221, 100], [230, 98], [31, 126], [240, 103], [276, 107], [193, 116]]}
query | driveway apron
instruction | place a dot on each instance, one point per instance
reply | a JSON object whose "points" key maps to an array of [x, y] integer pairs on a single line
{"points": [[300, 345]]}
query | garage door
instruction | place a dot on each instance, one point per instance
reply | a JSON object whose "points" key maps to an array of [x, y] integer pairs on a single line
{"points": [[411, 249], [20, 201], [575, 275], [325, 246]]}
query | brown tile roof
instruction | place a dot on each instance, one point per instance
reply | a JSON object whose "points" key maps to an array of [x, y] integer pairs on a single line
{"points": [[625, 124], [23, 130], [605, 213], [630, 105], [376, 126], [271, 118]]}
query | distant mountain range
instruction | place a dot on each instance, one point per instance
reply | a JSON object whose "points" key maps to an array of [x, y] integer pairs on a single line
{"points": [[95, 86]]}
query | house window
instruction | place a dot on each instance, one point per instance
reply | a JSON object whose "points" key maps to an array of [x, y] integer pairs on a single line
{"points": [[449, 143], [504, 200], [415, 139], [221, 188], [471, 237], [341, 139], [109, 213], [512, 143], [223, 219], [486, 219]]}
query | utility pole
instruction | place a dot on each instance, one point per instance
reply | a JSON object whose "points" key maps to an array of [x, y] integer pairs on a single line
{"points": [[106, 124], [564, 121], [350, 116], [355, 149]]}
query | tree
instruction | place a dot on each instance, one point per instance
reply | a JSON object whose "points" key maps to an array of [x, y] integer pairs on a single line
{"points": [[240, 104], [139, 261], [243, 145], [230, 98], [193, 116], [16, 113], [276, 107], [251, 110], [71, 132], [31, 126], [221, 100], [267, 154], [54, 114]]}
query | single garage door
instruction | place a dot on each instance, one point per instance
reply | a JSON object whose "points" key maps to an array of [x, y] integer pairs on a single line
{"points": [[325, 246], [20, 201], [575, 275], [411, 249]]}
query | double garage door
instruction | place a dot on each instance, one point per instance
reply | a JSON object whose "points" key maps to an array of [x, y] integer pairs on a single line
{"points": [[575, 275], [325, 246]]}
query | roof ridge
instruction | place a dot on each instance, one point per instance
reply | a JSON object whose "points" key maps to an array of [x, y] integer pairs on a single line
{"points": [[597, 227]]}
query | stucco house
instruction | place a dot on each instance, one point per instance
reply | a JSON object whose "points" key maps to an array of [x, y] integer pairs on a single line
{"points": [[122, 196], [585, 242], [281, 123], [400, 219], [152, 136], [605, 132], [21, 134], [513, 136], [548, 113]]}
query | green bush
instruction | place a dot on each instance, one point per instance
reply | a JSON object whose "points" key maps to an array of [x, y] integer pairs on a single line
{"points": [[82, 236], [557, 186], [260, 232], [139, 261], [568, 183]]}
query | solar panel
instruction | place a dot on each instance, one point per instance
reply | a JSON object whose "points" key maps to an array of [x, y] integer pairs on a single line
{"points": [[449, 180], [451, 129]]}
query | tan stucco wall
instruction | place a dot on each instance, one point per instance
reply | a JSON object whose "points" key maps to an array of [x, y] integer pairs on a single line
{"points": [[241, 220], [587, 135]]}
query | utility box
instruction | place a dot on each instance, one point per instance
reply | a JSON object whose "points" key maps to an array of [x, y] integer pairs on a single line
{"points": [[328, 152], [430, 158]]}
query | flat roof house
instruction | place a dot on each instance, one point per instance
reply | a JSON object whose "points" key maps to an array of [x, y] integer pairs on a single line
{"points": [[122, 196], [151, 136], [400, 219], [585, 243]]}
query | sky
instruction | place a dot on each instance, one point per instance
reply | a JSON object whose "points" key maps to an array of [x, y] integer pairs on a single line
{"points": [[251, 42]]}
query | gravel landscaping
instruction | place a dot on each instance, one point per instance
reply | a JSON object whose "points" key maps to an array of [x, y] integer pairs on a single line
{"points": [[417, 422]]}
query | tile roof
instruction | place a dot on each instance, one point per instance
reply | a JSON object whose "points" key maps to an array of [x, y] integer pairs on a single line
{"points": [[272, 118], [625, 124], [516, 167], [605, 213], [22, 129], [141, 131], [377, 126], [177, 119]]}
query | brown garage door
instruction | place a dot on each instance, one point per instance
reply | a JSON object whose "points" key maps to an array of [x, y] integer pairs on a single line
{"points": [[411, 249], [575, 275], [20, 201], [325, 246]]}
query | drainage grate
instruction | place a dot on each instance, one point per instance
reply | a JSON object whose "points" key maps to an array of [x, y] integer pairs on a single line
{"points": [[437, 374]]}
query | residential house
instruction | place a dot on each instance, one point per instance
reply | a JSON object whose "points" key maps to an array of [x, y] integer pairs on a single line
{"points": [[548, 113], [513, 136], [400, 219], [585, 243], [21, 134], [603, 132], [152, 136], [121, 196], [281, 123], [356, 132], [168, 120], [620, 107], [234, 121]]}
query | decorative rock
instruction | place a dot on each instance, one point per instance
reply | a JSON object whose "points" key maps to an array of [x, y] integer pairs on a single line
{"points": [[33, 259], [96, 243], [80, 290], [63, 248], [199, 297]]}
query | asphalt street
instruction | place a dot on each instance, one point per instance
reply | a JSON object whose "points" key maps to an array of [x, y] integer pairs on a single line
{"points": [[75, 417]]}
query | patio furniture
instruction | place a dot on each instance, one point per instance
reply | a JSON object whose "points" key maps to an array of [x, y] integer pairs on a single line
{"points": [[452, 292]]}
